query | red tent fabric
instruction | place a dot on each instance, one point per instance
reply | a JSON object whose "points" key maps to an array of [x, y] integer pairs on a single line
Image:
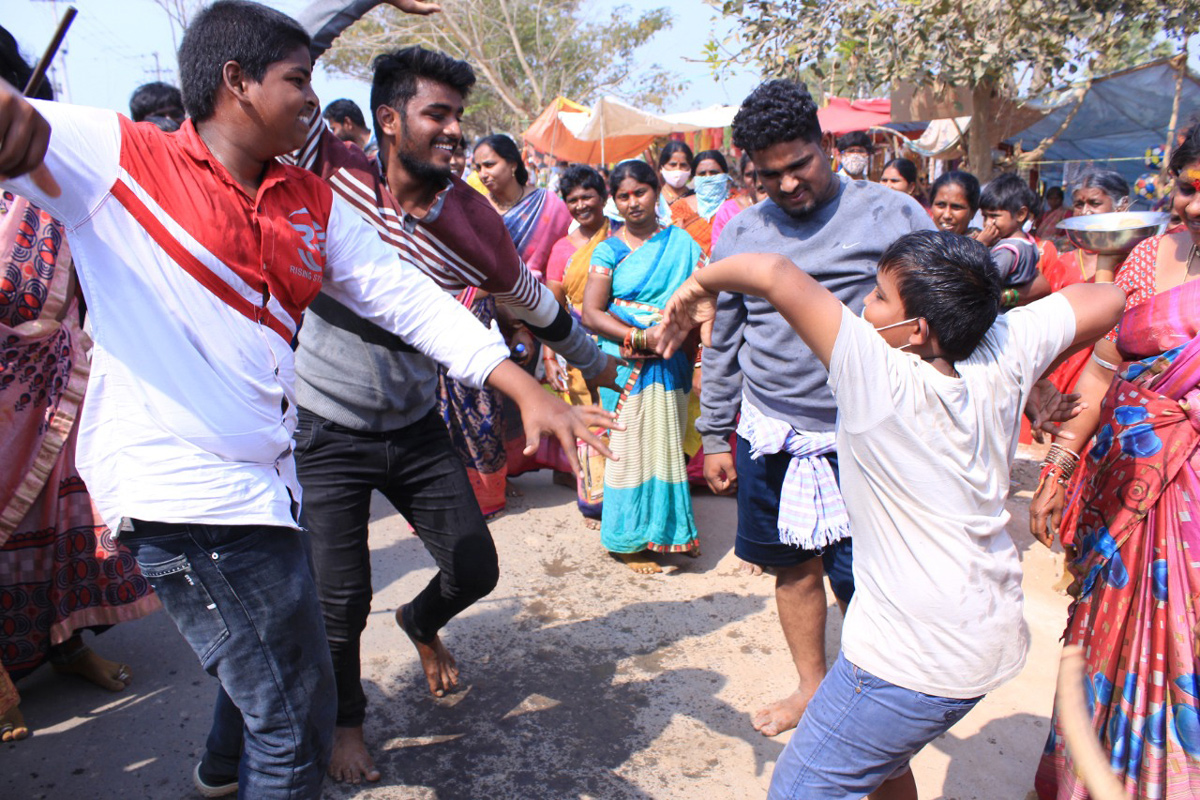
{"points": [[549, 135], [842, 115]]}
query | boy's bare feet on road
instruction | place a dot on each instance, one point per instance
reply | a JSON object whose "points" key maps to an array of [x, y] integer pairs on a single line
{"points": [[782, 715], [440, 668], [351, 763]]}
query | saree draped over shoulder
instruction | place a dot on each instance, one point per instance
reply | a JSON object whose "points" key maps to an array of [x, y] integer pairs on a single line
{"points": [[1136, 566], [647, 504]]}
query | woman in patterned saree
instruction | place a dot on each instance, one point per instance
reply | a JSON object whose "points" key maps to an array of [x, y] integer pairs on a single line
{"points": [[647, 505], [1136, 574]]}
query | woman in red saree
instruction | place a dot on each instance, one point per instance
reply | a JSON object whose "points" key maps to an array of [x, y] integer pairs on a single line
{"points": [[1136, 573]]}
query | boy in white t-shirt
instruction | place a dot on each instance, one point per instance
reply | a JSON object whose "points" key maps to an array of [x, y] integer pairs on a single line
{"points": [[929, 383]]}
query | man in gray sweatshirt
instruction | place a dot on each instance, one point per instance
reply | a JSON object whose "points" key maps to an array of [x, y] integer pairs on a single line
{"points": [[784, 472]]}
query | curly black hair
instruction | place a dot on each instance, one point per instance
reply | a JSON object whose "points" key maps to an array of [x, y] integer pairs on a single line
{"points": [[776, 111]]}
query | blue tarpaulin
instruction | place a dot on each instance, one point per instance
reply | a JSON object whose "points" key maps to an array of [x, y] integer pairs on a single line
{"points": [[1123, 114]]}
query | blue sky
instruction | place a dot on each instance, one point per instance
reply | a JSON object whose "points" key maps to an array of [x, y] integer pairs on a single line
{"points": [[112, 45]]}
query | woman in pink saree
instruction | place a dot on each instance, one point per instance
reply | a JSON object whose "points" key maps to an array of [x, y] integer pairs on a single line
{"points": [[1137, 575]]}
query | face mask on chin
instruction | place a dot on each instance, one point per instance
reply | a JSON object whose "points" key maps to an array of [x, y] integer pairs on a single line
{"points": [[675, 178], [855, 164]]}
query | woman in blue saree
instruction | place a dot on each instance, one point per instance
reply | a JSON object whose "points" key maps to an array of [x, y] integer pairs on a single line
{"points": [[647, 505]]}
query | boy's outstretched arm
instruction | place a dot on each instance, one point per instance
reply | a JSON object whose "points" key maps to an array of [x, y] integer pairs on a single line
{"points": [[810, 308], [1098, 308]]}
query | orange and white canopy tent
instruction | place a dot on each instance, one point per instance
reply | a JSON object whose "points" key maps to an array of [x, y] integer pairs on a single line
{"points": [[554, 132]]}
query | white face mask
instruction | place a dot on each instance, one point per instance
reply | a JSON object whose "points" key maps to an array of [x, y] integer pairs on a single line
{"points": [[863, 314], [855, 163], [675, 178]]}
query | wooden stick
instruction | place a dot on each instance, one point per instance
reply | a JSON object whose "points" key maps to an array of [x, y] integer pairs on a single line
{"points": [[1090, 761], [39, 72]]}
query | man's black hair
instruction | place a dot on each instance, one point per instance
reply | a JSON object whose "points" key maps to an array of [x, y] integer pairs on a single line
{"points": [[710, 155], [855, 139], [507, 149], [339, 110], [640, 171], [581, 176], [15, 70], [950, 281], [1009, 193], [232, 30], [151, 98], [1187, 152], [397, 73], [671, 148], [963, 180], [776, 111]]}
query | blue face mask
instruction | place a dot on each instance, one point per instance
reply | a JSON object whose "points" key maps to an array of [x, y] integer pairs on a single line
{"points": [[711, 192]]}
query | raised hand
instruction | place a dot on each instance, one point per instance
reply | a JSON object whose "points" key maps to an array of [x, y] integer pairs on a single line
{"points": [[415, 7], [24, 137]]}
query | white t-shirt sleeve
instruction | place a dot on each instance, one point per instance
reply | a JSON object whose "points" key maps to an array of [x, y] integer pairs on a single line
{"points": [[864, 374], [84, 157], [1037, 334], [369, 277]]}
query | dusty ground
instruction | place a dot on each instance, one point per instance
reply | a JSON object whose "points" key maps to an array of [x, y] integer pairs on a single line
{"points": [[583, 680]]}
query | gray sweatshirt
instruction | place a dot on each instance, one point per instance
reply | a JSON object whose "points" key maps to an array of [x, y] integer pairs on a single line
{"points": [[753, 349]]}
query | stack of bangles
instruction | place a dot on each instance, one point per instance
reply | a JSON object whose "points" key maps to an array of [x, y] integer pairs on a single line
{"points": [[635, 341], [1009, 298], [1059, 465]]}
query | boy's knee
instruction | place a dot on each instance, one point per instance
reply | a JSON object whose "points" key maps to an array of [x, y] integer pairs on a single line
{"points": [[476, 568]]}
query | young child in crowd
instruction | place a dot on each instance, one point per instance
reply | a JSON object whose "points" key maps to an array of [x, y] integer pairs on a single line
{"points": [[1007, 203], [929, 384]]}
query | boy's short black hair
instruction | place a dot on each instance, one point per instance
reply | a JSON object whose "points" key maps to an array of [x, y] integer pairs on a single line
{"points": [[950, 281], [776, 111], [578, 176], [1009, 193], [394, 82], [855, 139], [251, 34], [342, 109], [15, 70], [153, 97]]}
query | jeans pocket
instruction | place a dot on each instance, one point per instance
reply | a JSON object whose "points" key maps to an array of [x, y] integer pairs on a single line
{"points": [[189, 603], [952, 709]]}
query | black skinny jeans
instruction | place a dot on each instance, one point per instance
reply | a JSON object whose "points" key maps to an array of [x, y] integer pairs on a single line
{"points": [[417, 470]]}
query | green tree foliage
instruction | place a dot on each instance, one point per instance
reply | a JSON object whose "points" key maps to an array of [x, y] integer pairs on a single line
{"points": [[525, 52], [997, 49]]}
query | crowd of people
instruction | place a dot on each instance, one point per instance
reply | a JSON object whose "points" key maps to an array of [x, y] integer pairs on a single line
{"points": [[850, 359]]}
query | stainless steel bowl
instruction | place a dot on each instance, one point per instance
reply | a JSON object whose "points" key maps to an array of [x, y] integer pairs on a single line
{"points": [[1116, 232]]}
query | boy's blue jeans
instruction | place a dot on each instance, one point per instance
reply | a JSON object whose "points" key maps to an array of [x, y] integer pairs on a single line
{"points": [[243, 597]]}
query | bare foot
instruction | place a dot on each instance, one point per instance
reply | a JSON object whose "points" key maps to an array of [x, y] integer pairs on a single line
{"points": [[441, 670], [639, 563], [591, 524], [511, 489], [12, 726], [694, 552], [746, 568], [782, 715], [100, 671], [351, 763]]}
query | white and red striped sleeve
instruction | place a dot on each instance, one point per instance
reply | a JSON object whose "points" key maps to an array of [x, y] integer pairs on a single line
{"points": [[84, 158]]}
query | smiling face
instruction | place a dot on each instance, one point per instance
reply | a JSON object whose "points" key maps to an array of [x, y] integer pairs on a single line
{"points": [[422, 136], [635, 202], [1186, 200], [796, 175], [586, 206], [951, 211], [283, 103]]}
